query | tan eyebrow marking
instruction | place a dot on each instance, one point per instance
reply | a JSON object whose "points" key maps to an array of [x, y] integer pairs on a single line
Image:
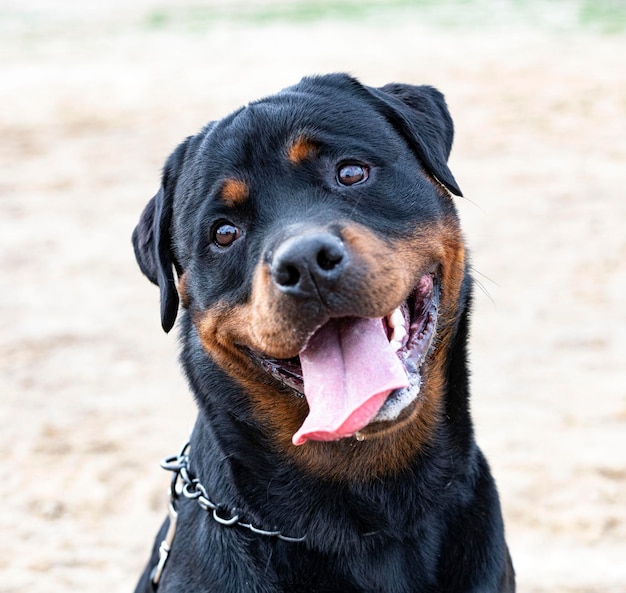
{"points": [[234, 192], [301, 149]]}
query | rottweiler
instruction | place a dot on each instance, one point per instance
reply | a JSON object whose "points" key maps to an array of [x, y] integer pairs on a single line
{"points": [[312, 242]]}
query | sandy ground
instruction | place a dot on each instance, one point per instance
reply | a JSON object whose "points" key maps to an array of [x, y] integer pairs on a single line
{"points": [[91, 396]]}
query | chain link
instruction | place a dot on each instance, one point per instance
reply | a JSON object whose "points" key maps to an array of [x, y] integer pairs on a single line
{"points": [[183, 483]]}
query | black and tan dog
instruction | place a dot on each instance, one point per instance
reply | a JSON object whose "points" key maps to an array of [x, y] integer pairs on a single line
{"points": [[326, 295]]}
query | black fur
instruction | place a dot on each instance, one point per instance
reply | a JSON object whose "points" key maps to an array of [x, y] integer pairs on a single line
{"points": [[436, 525]]}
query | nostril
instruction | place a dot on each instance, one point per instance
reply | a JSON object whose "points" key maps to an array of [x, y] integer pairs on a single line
{"points": [[287, 276], [328, 258]]}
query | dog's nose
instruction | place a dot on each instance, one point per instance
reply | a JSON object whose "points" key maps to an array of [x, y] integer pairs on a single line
{"points": [[309, 264]]}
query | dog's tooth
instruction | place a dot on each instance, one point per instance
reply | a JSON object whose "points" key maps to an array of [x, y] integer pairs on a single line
{"points": [[398, 333], [395, 346], [396, 319]]}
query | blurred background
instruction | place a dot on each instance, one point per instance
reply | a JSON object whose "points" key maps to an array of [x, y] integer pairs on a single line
{"points": [[93, 98]]}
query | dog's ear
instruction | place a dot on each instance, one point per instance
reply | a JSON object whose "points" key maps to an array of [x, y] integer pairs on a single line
{"points": [[152, 239], [421, 116]]}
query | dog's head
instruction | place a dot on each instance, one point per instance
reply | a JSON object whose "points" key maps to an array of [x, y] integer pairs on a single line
{"points": [[318, 253]]}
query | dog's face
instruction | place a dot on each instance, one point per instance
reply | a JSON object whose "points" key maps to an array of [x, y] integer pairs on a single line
{"points": [[319, 257]]}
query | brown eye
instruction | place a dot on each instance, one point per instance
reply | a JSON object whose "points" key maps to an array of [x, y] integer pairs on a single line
{"points": [[225, 234], [351, 174]]}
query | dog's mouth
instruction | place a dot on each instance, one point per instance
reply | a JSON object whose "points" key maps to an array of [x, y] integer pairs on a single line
{"points": [[355, 372]]}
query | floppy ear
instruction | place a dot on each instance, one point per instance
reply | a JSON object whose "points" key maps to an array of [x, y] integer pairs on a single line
{"points": [[421, 116], [152, 239]]}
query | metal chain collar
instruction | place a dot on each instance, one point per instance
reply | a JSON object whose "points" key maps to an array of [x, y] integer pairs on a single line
{"points": [[185, 484]]}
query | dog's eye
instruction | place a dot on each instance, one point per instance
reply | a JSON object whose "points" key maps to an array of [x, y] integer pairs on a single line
{"points": [[352, 173], [225, 233]]}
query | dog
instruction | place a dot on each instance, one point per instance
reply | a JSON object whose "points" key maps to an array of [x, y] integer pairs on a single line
{"points": [[312, 242]]}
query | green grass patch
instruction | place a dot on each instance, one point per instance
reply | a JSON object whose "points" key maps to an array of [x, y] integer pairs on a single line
{"points": [[603, 15], [607, 15], [302, 11]]}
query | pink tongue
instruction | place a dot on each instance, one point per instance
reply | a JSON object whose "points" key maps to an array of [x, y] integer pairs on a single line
{"points": [[348, 369]]}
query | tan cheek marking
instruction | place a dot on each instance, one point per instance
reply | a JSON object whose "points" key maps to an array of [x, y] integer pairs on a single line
{"points": [[301, 149], [385, 282], [182, 290], [223, 329], [279, 324], [265, 318], [234, 192], [220, 329], [442, 244]]}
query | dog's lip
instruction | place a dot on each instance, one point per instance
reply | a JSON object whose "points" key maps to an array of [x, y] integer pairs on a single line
{"points": [[416, 317], [287, 370], [422, 323]]}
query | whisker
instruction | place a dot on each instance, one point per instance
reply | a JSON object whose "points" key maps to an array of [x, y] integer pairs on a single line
{"points": [[482, 287]]}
